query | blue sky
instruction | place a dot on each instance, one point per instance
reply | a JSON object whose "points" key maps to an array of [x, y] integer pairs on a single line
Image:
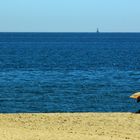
{"points": [[69, 15]]}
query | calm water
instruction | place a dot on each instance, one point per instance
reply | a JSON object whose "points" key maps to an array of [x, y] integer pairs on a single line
{"points": [[69, 72]]}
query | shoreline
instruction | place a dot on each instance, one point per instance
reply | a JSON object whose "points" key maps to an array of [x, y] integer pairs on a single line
{"points": [[70, 126]]}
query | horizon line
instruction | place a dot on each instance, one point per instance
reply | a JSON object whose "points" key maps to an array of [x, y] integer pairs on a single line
{"points": [[64, 32]]}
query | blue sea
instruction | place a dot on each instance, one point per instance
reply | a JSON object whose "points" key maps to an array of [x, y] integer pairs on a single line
{"points": [[69, 72]]}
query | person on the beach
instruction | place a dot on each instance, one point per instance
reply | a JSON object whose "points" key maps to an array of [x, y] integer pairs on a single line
{"points": [[137, 97]]}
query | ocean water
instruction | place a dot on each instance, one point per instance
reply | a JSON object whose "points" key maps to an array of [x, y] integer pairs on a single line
{"points": [[69, 72]]}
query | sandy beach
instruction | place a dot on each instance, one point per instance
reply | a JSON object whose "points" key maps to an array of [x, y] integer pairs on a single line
{"points": [[70, 126]]}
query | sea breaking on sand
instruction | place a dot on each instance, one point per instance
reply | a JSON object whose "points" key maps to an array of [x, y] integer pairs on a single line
{"points": [[70, 126]]}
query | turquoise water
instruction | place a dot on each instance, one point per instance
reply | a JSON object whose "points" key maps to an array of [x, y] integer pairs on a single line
{"points": [[69, 72]]}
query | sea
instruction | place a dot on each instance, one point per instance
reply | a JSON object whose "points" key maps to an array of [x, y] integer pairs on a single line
{"points": [[69, 72]]}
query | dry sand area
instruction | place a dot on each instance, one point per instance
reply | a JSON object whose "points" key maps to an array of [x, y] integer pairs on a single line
{"points": [[70, 126]]}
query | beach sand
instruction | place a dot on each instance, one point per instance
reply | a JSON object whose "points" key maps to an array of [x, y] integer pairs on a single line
{"points": [[70, 126]]}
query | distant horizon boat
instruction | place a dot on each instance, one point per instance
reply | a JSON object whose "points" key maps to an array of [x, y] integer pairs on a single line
{"points": [[97, 31]]}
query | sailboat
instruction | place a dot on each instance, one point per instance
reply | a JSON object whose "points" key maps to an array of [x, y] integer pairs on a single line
{"points": [[97, 31]]}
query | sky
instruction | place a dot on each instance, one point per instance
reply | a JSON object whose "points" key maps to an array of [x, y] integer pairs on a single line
{"points": [[69, 15]]}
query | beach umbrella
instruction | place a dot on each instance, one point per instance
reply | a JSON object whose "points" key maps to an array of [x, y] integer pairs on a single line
{"points": [[136, 96]]}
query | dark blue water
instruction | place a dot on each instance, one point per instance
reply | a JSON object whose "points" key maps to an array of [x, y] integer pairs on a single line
{"points": [[69, 72]]}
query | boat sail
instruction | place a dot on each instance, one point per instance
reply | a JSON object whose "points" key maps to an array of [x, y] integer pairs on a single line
{"points": [[97, 31]]}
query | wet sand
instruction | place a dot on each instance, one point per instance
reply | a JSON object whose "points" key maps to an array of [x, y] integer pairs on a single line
{"points": [[70, 126]]}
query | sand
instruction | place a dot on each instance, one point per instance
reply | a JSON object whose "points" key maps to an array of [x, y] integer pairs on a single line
{"points": [[70, 126]]}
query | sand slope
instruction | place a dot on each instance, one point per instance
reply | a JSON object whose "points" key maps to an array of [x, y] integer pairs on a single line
{"points": [[70, 126]]}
